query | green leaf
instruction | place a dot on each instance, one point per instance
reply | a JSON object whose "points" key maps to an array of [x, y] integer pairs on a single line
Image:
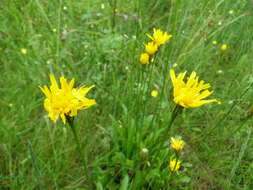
{"points": [[196, 129], [130, 163], [119, 157], [124, 183], [185, 179], [99, 186], [187, 165]]}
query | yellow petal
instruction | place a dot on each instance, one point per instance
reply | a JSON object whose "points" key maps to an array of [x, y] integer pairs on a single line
{"points": [[191, 80], [204, 94], [64, 84], [46, 91], [173, 76], [71, 83], [202, 102], [63, 117], [54, 86], [150, 37]]}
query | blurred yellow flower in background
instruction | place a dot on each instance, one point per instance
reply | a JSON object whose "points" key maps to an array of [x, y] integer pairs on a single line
{"points": [[174, 65], [154, 93], [189, 94], [159, 37], [175, 164], [144, 59], [215, 42], [23, 51], [151, 48], [231, 12], [66, 100], [177, 144], [224, 47]]}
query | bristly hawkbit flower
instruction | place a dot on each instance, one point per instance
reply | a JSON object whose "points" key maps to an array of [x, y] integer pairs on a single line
{"points": [[175, 164], [23, 51], [159, 37], [224, 47], [66, 100], [151, 48], [177, 144], [144, 58], [231, 12], [174, 65], [154, 93], [215, 42], [190, 94]]}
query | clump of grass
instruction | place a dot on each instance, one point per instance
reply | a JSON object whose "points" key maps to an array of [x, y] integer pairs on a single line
{"points": [[126, 137]]}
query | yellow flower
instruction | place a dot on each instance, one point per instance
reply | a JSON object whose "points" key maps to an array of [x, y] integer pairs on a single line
{"points": [[189, 94], [177, 144], [66, 100], [215, 42], [159, 37], [144, 59], [174, 65], [224, 47], [23, 51], [231, 12], [154, 93], [151, 48], [174, 165]]}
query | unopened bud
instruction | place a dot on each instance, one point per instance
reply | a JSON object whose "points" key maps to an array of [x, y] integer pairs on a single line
{"points": [[144, 152]]}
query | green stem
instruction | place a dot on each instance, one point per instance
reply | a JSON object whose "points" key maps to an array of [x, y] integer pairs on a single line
{"points": [[36, 167], [176, 111], [70, 121]]}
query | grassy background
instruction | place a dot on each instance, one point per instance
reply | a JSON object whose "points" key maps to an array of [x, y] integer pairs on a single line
{"points": [[99, 42]]}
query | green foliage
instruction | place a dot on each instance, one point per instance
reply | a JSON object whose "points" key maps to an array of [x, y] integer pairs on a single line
{"points": [[99, 42]]}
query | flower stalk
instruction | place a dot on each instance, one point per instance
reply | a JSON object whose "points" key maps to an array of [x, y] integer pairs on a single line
{"points": [[176, 111], [70, 121]]}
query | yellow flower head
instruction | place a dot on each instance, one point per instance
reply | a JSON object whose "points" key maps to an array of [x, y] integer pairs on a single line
{"points": [[159, 37], [177, 144], [151, 48], [189, 94], [154, 93], [23, 51], [224, 47], [215, 42], [144, 59], [174, 165], [231, 12], [174, 65], [66, 100]]}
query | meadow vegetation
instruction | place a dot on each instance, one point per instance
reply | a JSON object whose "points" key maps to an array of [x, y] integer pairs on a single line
{"points": [[135, 135]]}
